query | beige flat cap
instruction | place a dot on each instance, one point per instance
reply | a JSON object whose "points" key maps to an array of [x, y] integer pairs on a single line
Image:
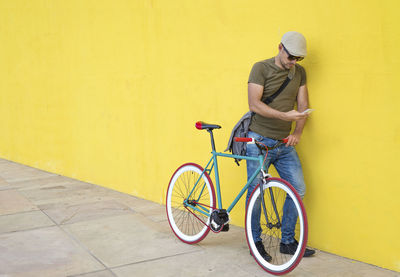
{"points": [[295, 43]]}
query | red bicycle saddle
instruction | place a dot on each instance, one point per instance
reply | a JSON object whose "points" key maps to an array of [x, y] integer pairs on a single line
{"points": [[202, 125]]}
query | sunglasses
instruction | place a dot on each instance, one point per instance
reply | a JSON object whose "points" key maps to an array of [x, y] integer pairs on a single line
{"points": [[291, 57]]}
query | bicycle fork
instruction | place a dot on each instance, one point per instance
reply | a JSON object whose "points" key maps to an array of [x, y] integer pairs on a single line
{"points": [[270, 225]]}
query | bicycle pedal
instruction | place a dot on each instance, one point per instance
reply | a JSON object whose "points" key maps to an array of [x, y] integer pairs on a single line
{"points": [[225, 228], [219, 219]]}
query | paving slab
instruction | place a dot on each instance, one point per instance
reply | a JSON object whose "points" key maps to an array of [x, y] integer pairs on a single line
{"points": [[71, 193], [56, 192], [39, 183], [215, 258], [126, 239], [44, 252], [68, 214], [7, 166], [24, 221], [18, 173], [12, 201], [102, 273], [3, 184], [191, 264], [151, 210]]}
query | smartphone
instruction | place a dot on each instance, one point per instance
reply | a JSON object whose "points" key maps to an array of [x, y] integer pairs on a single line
{"points": [[308, 111]]}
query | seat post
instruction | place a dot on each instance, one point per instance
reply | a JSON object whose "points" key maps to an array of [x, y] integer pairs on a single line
{"points": [[212, 139]]}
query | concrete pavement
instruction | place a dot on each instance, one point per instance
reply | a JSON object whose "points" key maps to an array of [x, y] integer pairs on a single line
{"points": [[52, 225]]}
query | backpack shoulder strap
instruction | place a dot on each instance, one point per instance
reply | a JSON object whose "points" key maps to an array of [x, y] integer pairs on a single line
{"points": [[281, 88]]}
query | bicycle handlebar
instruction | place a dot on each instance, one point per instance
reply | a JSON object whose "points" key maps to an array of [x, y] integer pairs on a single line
{"points": [[243, 139], [252, 140]]}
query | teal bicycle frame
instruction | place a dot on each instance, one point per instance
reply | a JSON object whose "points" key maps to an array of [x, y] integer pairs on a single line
{"points": [[213, 164]]}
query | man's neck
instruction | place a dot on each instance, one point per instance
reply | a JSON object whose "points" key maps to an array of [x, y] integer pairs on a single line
{"points": [[278, 62]]}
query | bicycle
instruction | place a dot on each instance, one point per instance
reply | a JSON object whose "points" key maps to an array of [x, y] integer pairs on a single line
{"points": [[192, 213]]}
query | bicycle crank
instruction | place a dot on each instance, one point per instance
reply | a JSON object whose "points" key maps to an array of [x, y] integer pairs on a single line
{"points": [[219, 221]]}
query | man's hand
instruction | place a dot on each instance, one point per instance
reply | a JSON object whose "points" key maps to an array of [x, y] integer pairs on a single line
{"points": [[293, 139], [293, 115]]}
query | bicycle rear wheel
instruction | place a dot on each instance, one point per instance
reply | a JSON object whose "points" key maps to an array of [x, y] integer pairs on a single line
{"points": [[189, 191], [275, 193]]}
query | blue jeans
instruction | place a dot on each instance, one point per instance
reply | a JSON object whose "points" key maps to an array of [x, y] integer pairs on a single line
{"points": [[287, 163]]}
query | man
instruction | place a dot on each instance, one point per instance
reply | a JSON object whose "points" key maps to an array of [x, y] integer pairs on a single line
{"points": [[272, 123]]}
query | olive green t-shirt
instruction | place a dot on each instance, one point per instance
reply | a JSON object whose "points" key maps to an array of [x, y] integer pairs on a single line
{"points": [[269, 75]]}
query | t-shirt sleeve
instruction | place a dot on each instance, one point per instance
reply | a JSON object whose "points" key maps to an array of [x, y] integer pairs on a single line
{"points": [[257, 74], [303, 76]]}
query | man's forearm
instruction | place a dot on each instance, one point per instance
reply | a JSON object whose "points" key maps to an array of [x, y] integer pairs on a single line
{"points": [[264, 110], [298, 130], [302, 105]]}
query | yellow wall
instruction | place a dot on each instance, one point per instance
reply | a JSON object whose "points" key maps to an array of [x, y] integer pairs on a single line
{"points": [[109, 91]]}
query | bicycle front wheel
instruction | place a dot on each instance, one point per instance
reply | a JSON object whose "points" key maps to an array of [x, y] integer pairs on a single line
{"points": [[285, 213], [190, 201]]}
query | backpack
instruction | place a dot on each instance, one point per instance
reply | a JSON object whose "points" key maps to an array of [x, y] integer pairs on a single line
{"points": [[240, 130]]}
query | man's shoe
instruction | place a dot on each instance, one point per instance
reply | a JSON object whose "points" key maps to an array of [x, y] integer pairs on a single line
{"points": [[261, 250], [292, 247]]}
